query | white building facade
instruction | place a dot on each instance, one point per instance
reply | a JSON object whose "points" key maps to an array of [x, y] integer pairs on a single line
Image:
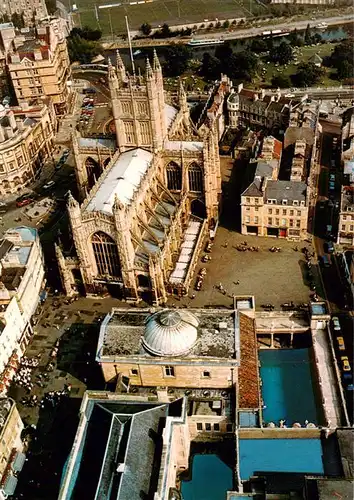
{"points": [[21, 284]]}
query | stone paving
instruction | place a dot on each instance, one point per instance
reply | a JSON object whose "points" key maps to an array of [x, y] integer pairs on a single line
{"points": [[271, 277]]}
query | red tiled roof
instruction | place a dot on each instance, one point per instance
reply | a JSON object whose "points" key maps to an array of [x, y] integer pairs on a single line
{"points": [[277, 148], [249, 396]]}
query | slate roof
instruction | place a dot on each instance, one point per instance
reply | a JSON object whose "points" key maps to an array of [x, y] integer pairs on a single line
{"points": [[254, 189], [285, 190], [119, 432]]}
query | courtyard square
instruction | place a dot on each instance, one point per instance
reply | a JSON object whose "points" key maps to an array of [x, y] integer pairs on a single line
{"points": [[272, 278]]}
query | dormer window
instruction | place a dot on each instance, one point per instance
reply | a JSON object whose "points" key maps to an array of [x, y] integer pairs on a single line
{"points": [[302, 203], [284, 202], [296, 202], [271, 201]]}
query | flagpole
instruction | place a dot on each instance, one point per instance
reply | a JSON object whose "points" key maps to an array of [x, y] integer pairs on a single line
{"points": [[130, 46]]}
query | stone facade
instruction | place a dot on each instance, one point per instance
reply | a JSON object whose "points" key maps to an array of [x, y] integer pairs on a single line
{"points": [[153, 190], [21, 282], [11, 445], [26, 141], [40, 66], [32, 11]]}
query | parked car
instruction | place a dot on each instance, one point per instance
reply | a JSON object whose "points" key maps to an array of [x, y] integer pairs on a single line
{"points": [[341, 344], [23, 201], [329, 247], [336, 324], [49, 185], [332, 177], [325, 261], [345, 364], [332, 186]]}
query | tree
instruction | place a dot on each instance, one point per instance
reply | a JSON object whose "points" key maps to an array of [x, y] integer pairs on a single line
{"points": [[307, 75], [308, 35], [211, 67], [226, 24], [342, 58], [281, 81], [345, 70], [18, 20], [295, 39], [176, 59], [165, 31], [242, 65], [146, 29], [223, 52], [82, 50], [86, 33], [51, 6], [258, 45], [281, 54]]}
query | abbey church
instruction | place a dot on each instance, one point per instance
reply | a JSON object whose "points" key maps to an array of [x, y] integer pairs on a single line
{"points": [[147, 198]]}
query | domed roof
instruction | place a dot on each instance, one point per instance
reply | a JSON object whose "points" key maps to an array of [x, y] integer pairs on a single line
{"points": [[170, 333]]}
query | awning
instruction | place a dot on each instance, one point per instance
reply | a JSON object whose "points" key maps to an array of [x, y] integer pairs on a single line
{"points": [[19, 461], [10, 485]]}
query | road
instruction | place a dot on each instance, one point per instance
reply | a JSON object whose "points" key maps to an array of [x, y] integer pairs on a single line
{"points": [[336, 289], [289, 24]]}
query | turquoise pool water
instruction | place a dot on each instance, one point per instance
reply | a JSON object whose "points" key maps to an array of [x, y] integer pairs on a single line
{"points": [[287, 387], [280, 455], [211, 479]]}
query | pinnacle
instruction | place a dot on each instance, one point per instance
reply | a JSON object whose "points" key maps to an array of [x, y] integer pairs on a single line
{"points": [[156, 62], [148, 68]]}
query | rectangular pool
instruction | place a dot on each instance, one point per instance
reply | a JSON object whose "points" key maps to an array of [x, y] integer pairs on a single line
{"points": [[280, 455], [287, 387]]}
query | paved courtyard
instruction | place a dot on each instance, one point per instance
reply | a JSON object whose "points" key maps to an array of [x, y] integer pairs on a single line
{"points": [[271, 277]]}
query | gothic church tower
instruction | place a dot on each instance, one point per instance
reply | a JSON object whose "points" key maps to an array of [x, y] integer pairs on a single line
{"points": [[138, 106]]}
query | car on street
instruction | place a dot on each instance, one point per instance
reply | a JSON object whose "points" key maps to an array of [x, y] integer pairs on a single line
{"points": [[332, 178], [325, 261], [345, 364], [329, 247], [49, 185], [24, 200], [332, 186], [336, 324], [341, 344]]}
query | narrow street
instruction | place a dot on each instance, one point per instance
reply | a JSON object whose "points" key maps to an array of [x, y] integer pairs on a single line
{"points": [[335, 287]]}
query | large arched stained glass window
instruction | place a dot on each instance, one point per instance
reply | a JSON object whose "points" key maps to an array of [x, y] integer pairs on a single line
{"points": [[195, 178], [174, 176], [106, 255]]}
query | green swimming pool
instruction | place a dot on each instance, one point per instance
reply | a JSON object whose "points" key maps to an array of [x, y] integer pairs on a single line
{"points": [[287, 386]]}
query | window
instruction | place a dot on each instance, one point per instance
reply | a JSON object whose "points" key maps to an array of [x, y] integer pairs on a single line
{"points": [[270, 221], [228, 427], [106, 255], [277, 211], [270, 210], [199, 426], [351, 228], [248, 209], [174, 176], [291, 212], [169, 371], [277, 222], [298, 212], [256, 209], [343, 227], [344, 217], [291, 222], [195, 178], [208, 427], [256, 201], [216, 427], [206, 374], [134, 372], [256, 220], [298, 223], [248, 219], [284, 211], [248, 200]]}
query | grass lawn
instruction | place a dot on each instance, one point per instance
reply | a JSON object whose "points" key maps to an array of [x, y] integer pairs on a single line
{"points": [[157, 12], [303, 55]]}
